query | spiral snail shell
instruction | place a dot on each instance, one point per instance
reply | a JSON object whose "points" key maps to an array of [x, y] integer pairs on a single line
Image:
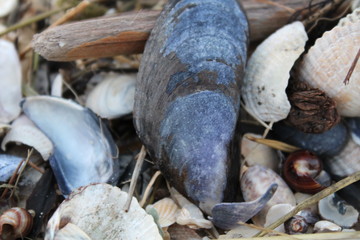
{"points": [[187, 97], [15, 223]]}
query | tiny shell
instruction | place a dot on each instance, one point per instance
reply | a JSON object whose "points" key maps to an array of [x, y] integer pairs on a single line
{"points": [[256, 180], [268, 71], [327, 63], [167, 211], [258, 154], [23, 130], [326, 226], [10, 79], [114, 96], [7, 6], [15, 223], [98, 210], [346, 162]]}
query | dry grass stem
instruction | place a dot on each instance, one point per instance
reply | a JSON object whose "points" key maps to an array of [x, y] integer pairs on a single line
{"points": [[148, 188], [264, 229], [274, 144]]}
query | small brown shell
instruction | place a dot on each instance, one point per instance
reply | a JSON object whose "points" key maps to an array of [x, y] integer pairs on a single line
{"points": [[15, 223]]}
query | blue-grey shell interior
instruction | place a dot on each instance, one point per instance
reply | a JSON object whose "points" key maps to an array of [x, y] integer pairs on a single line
{"points": [[84, 151], [8, 164], [187, 95]]}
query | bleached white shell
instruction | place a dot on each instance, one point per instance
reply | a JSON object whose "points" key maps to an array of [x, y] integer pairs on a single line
{"points": [[350, 18], [98, 210], [56, 86], [7, 6], [71, 232], [24, 131], [347, 161], [167, 211], [10, 81], [189, 214], [255, 181], [268, 71], [326, 226], [258, 154], [114, 96], [275, 212], [240, 232], [327, 63]]}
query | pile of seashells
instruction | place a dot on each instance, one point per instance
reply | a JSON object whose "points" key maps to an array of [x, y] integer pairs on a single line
{"points": [[66, 164]]}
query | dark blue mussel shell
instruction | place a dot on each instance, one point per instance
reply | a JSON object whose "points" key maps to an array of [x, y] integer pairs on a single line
{"points": [[188, 97]]}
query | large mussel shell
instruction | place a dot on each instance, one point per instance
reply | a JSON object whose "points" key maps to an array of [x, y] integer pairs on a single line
{"points": [[187, 96]]}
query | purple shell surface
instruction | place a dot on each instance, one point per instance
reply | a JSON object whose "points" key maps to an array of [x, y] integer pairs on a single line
{"points": [[187, 97]]}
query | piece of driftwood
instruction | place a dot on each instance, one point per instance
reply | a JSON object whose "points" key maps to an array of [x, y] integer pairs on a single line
{"points": [[128, 32]]}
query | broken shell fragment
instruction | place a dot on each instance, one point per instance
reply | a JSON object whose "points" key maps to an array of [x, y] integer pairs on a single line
{"points": [[81, 141], [24, 131], [15, 223], [275, 212], [254, 183], [327, 64], [326, 226], [114, 96], [167, 211], [268, 71], [8, 164], [335, 209], [187, 97], [10, 79], [99, 211], [71, 231]]}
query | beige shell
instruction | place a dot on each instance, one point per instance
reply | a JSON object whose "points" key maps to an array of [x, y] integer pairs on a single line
{"points": [[10, 82], [98, 210], [258, 154], [167, 211], [24, 131], [275, 212], [327, 63], [71, 231], [268, 71], [350, 18], [255, 180], [189, 214], [15, 223], [347, 161], [7, 6], [114, 96]]}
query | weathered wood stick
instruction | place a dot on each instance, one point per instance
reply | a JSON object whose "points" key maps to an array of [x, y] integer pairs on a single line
{"points": [[128, 32]]}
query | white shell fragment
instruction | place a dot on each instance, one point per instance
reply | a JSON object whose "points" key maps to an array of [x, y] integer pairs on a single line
{"points": [[326, 226], [347, 161], [56, 86], [327, 64], [334, 209], [114, 96], [98, 210], [189, 214], [275, 212], [167, 211], [71, 231], [7, 6], [24, 131], [258, 154], [268, 71], [255, 181], [10, 81]]}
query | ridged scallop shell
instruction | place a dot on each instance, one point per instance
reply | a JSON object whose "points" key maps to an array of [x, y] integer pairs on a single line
{"points": [[327, 63], [24, 131], [114, 96], [98, 210], [256, 180], [350, 18], [10, 81], [15, 223], [268, 71], [167, 211], [347, 161]]}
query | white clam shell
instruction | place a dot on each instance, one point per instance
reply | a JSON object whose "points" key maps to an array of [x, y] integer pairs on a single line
{"points": [[347, 161], [268, 71], [189, 214], [254, 183], [7, 6], [98, 210], [24, 131], [258, 154], [327, 63], [114, 96], [167, 211], [10, 81]]}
